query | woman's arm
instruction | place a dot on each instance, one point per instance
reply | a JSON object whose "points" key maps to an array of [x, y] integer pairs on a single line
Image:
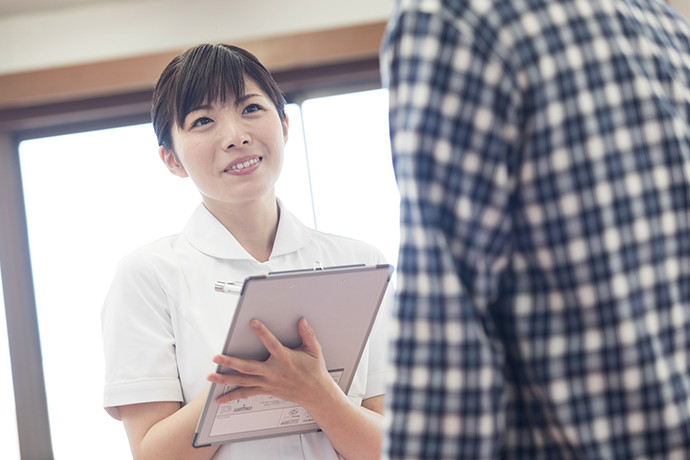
{"points": [[356, 432], [300, 375], [159, 430]]}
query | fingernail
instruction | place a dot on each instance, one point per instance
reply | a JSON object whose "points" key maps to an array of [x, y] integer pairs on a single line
{"points": [[255, 324]]}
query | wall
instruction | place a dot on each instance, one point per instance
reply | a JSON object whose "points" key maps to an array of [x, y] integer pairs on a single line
{"points": [[117, 29], [681, 5], [125, 28]]}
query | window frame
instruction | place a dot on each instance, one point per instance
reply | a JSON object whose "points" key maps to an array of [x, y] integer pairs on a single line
{"points": [[118, 93]]}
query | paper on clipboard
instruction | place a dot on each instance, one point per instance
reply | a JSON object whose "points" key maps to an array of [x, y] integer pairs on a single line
{"points": [[340, 303]]}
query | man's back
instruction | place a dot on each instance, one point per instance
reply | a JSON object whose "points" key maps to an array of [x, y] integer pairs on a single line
{"points": [[542, 149]]}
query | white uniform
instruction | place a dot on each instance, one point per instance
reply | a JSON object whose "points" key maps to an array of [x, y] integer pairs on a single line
{"points": [[163, 322]]}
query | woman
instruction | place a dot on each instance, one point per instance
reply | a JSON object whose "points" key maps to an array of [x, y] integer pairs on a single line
{"points": [[220, 120]]}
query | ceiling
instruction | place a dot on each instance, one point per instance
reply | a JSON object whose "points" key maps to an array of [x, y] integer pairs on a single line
{"points": [[9, 7]]}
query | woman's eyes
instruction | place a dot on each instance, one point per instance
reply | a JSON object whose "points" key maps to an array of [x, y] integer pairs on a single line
{"points": [[251, 108], [201, 121]]}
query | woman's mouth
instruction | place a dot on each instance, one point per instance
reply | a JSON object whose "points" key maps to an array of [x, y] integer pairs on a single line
{"points": [[244, 165]]}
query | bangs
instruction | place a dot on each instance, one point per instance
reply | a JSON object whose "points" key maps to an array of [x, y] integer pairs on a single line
{"points": [[208, 74], [201, 76]]}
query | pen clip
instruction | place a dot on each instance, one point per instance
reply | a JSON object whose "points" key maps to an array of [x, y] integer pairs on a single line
{"points": [[229, 287]]}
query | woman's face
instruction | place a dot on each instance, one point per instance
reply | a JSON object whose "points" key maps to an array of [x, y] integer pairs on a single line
{"points": [[233, 151]]}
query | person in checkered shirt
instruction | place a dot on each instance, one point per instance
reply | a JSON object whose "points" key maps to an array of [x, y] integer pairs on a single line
{"points": [[542, 151]]}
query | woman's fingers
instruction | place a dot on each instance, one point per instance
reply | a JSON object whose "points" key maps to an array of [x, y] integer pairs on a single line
{"points": [[296, 375], [244, 366], [238, 393], [309, 342], [245, 385], [270, 341]]}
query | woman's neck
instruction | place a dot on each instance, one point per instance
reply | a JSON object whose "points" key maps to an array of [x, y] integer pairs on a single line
{"points": [[254, 225]]}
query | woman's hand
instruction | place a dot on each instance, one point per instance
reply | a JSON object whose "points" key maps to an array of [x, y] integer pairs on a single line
{"points": [[298, 375]]}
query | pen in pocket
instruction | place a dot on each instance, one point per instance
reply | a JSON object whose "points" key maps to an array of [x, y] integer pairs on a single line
{"points": [[229, 287]]}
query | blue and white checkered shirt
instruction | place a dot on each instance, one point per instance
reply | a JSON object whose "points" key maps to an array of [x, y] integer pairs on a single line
{"points": [[542, 150]]}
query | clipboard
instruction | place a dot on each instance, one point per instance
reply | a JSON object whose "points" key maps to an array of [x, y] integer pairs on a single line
{"points": [[340, 303]]}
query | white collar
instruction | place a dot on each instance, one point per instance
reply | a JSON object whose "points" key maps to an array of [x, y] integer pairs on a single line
{"points": [[206, 234]]}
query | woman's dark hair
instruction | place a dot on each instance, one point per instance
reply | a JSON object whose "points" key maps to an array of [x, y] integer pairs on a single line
{"points": [[203, 74]]}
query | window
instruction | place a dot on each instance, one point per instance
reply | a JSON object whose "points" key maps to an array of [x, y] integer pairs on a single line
{"points": [[93, 197], [90, 198], [354, 187]]}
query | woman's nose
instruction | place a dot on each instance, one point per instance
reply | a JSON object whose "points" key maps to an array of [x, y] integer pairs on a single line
{"points": [[242, 141], [236, 136]]}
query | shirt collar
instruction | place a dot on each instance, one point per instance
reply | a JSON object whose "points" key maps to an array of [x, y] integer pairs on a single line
{"points": [[206, 234]]}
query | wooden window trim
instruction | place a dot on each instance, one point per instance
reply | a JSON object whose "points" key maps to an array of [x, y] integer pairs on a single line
{"points": [[118, 92]]}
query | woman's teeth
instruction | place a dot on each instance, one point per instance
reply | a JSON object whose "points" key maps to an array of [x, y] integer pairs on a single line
{"points": [[245, 164]]}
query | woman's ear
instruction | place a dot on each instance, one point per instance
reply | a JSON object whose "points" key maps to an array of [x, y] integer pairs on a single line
{"points": [[172, 162]]}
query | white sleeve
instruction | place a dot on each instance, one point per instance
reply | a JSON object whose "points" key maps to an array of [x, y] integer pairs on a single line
{"points": [[138, 338]]}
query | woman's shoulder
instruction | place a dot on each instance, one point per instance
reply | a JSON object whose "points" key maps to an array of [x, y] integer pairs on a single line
{"points": [[147, 272], [298, 238], [154, 255]]}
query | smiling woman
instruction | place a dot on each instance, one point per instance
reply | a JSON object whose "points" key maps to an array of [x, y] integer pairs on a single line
{"points": [[102, 187], [216, 106], [88, 96]]}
